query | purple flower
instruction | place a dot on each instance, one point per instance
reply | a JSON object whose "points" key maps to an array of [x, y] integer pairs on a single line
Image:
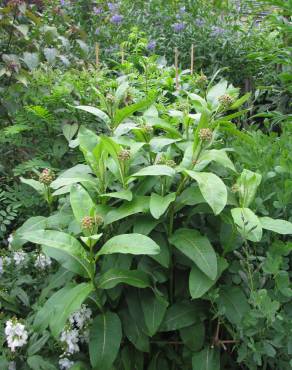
{"points": [[200, 22], [178, 27], [151, 45], [112, 7], [97, 10], [217, 31], [97, 31], [117, 19], [62, 2]]}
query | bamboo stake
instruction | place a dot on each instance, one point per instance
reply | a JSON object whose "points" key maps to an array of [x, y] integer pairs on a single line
{"points": [[122, 54], [97, 55], [192, 59], [176, 68]]}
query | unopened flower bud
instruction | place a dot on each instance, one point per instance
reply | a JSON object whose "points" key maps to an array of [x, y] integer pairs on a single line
{"points": [[202, 80], [98, 220], [160, 160], [87, 222], [225, 100], [47, 176], [170, 163], [148, 129], [110, 98], [235, 188], [205, 134], [124, 155]]}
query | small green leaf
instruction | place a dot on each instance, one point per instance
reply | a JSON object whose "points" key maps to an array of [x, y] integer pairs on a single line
{"points": [[247, 223], [130, 244], [215, 155], [159, 204], [123, 194], [38, 186], [104, 340], [233, 303], [199, 283]]}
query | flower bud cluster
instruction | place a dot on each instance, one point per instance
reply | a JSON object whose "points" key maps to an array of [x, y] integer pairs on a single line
{"points": [[47, 176], [205, 134]]}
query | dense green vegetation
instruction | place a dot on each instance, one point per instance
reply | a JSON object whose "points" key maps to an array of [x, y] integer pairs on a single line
{"points": [[145, 185]]}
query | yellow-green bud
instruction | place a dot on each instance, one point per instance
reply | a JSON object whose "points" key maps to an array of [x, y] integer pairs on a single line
{"points": [[225, 100], [47, 176], [124, 155], [205, 134]]}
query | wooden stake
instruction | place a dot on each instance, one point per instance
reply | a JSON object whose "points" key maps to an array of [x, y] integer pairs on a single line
{"points": [[176, 68], [192, 59], [122, 54], [97, 55]]}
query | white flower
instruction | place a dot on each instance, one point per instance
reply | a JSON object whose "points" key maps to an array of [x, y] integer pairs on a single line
{"points": [[42, 261], [7, 261], [1, 265], [70, 338], [65, 363], [12, 365], [19, 257], [80, 317], [10, 240], [16, 335]]}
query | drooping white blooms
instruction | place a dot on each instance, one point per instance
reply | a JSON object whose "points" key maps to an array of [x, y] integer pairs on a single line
{"points": [[10, 240], [19, 257], [42, 261], [70, 338], [12, 365], [80, 317], [65, 363], [16, 334]]}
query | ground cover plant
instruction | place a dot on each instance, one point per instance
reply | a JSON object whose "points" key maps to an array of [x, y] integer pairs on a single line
{"points": [[145, 213]]}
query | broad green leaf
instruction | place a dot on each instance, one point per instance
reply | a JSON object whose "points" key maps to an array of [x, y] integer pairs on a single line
{"points": [[212, 188], [123, 194], [215, 155], [199, 283], [62, 247], [247, 223], [233, 303], [247, 184], [46, 313], [154, 308], [96, 112], [79, 173], [240, 101], [81, 202], [163, 125], [158, 143], [207, 359], [104, 340], [180, 315], [126, 112], [137, 205], [144, 224], [69, 130], [193, 336], [37, 362], [159, 204], [198, 249], [31, 60], [69, 303], [37, 342], [215, 92], [155, 170], [38, 186], [116, 276], [134, 331], [278, 226], [130, 244]]}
